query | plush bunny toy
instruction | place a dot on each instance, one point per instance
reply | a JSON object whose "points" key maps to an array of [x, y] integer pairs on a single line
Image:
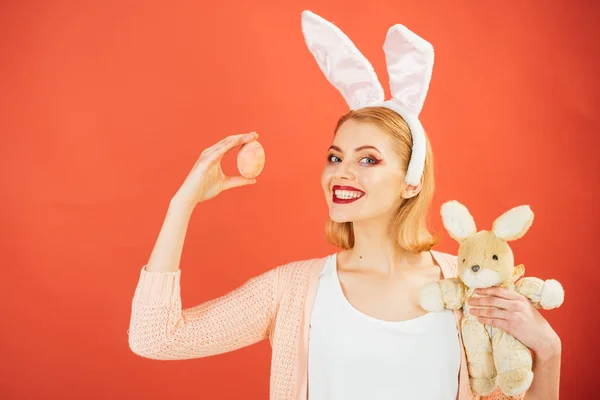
{"points": [[485, 259]]}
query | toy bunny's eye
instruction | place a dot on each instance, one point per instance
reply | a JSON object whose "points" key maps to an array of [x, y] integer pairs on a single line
{"points": [[495, 257], [463, 260]]}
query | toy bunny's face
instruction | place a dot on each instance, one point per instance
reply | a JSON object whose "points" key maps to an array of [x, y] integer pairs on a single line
{"points": [[485, 258]]}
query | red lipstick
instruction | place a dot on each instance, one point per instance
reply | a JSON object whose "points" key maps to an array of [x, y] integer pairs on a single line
{"points": [[351, 189]]}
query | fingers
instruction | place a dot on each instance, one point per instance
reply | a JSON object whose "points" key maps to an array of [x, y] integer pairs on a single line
{"points": [[507, 309], [237, 181], [492, 301], [490, 313], [233, 141], [499, 292], [214, 153], [495, 322]]}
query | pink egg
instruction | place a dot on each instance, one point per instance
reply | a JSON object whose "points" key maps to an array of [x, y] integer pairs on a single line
{"points": [[251, 159]]}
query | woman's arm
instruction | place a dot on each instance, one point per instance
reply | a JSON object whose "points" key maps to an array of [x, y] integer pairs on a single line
{"points": [[160, 329], [205, 181], [546, 378], [546, 373], [166, 255], [513, 313]]}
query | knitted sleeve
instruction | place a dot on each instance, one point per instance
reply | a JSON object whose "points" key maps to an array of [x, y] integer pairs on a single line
{"points": [[160, 329]]}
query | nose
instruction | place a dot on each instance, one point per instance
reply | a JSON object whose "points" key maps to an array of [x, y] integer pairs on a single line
{"points": [[343, 171], [475, 268]]}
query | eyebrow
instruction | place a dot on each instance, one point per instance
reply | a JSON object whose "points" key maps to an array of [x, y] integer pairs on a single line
{"points": [[356, 149]]}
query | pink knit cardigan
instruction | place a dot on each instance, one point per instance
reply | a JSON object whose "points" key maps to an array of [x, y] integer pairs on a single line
{"points": [[276, 305]]}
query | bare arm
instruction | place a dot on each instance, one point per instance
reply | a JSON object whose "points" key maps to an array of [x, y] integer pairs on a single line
{"points": [[166, 255], [546, 361], [526, 324], [205, 181], [159, 327], [546, 379], [546, 374]]}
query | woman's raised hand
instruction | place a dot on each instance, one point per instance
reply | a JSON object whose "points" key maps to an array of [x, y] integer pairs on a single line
{"points": [[206, 179]]}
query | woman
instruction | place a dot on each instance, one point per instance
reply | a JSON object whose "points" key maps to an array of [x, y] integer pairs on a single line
{"points": [[347, 326]]}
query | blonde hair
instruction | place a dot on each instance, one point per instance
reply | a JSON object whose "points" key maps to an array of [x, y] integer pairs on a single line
{"points": [[410, 225]]}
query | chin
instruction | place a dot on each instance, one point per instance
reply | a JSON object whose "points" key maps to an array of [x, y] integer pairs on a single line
{"points": [[340, 218], [345, 214]]}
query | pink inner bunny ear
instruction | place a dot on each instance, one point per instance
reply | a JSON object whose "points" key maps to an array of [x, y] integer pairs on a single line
{"points": [[409, 61], [342, 63]]}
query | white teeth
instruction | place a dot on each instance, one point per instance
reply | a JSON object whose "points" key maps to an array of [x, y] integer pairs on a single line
{"points": [[347, 194]]}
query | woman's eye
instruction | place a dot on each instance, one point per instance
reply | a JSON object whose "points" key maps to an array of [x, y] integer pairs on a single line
{"points": [[371, 160]]}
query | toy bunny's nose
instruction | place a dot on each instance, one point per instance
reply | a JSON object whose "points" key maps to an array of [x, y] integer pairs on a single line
{"points": [[475, 268]]}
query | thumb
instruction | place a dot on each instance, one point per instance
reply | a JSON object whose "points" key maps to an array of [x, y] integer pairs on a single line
{"points": [[237, 181]]}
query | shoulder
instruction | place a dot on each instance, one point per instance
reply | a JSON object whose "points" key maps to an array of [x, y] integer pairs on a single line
{"points": [[300, 268], [296, 275]]}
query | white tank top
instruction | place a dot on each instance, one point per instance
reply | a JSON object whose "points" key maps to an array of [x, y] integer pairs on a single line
{"points": [[352, 356]]}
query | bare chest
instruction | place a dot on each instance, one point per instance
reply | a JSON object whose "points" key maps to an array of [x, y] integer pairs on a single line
{"points": [[388, 299]]}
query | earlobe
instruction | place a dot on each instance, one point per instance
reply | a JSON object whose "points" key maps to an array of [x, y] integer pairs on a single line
{"points": [[411, 191]]}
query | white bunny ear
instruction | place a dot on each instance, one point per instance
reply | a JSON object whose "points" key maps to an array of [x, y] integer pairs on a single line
{"points": [[342, 63], [514, 223], [457, 220], [409, 60]]}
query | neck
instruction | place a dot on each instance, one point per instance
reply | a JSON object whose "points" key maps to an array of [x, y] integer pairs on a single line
{"points": [[376, 251]]}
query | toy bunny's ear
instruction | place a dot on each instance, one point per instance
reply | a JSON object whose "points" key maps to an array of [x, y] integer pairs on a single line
{"points": [[343, 65], [457, 220], [514, 223]]}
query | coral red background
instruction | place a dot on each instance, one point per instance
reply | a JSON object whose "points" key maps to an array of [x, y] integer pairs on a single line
{"points": [[106, 105]]}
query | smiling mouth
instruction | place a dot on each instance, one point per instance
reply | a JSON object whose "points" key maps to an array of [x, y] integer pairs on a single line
{"points": [[345, 195]]}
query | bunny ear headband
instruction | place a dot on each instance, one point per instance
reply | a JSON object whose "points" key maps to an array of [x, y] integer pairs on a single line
{"points": [[409, 60]]}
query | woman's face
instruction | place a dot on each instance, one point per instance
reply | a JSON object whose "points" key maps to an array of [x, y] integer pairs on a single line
{"points": [[363, 177]]}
